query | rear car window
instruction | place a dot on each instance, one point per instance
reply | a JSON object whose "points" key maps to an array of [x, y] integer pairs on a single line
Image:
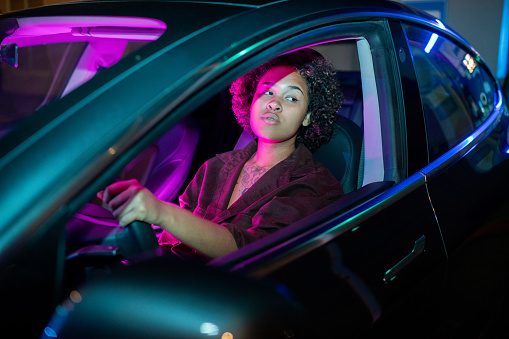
{"points": [[457, 93]]}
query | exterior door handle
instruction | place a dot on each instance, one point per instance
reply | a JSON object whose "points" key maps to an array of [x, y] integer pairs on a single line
{"points": [[416, 251]]}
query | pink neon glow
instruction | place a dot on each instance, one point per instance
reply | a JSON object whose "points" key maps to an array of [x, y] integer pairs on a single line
{"points": [[107, 37], [40, 30]]}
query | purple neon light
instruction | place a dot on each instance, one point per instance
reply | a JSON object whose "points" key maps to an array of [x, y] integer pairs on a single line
{"points": [[41, 30]]}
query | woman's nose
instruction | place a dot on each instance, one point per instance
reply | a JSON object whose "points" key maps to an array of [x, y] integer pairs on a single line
{"points": [[274, 106]]}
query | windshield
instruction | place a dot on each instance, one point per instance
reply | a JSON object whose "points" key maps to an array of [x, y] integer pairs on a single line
{"points": [[48, 57]]}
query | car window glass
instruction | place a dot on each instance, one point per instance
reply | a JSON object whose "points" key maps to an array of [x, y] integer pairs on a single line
{"points": [[371, 95], [37, 80], [457, 93], [54, 58]]}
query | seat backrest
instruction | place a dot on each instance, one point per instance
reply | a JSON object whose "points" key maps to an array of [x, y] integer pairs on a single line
{"points": [[163, 168], [341, 155], [175, 156]]}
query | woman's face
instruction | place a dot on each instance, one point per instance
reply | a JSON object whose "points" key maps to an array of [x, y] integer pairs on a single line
{"points": [[279, 105]]}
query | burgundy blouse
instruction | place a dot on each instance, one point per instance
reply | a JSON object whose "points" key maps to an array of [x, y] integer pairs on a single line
{"points": [[289, 191]]}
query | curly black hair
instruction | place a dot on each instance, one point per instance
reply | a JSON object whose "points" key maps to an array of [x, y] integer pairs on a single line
{"points": [[325, 96]]}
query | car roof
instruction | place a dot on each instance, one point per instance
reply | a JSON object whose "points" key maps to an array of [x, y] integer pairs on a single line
{"points": [[353, 5], [185, 17], [248, 3]]}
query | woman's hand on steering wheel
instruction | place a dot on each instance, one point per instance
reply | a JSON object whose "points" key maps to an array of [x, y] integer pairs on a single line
{"points": [[130, 201]]}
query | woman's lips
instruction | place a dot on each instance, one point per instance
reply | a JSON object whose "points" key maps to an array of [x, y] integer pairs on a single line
{"points": [[270, 118]]}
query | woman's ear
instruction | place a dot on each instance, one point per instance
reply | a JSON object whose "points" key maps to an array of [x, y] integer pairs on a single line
{"points": [[307, 120]]}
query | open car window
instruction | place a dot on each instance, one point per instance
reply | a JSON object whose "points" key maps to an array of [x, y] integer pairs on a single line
{"points": [[45, 58], [168, 164]]}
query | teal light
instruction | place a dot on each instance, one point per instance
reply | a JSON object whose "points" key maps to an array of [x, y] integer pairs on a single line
{"points": [[503, 45], [49, 332]]}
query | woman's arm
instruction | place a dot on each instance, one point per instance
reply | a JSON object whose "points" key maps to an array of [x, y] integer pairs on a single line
{"points": [[130, 201]]}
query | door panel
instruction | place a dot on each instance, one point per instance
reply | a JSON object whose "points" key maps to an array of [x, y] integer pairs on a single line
{"points": [[462, 103], [342, 283]]}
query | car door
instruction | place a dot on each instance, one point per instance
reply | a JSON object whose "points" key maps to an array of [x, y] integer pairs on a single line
{"points": [[466, 125], [352, 263], [348, 265]]}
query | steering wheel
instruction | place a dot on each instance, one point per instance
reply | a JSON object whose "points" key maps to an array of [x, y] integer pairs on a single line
{"points": [[136, 239]]}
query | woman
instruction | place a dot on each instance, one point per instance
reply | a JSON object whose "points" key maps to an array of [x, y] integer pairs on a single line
{"points": [[290, 105]]}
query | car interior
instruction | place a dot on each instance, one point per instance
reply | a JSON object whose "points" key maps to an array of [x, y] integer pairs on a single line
{"points": [[354, 155], [56, 57], [170, 163]]}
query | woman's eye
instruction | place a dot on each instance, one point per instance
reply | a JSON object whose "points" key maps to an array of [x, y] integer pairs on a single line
{"points": [[267, 92], [292, 99]]}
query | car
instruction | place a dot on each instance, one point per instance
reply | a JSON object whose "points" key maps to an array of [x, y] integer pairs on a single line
{"points": [[94, 91]]}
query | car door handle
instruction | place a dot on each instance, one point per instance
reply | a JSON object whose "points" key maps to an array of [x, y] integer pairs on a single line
{"points": [[416, 251]]}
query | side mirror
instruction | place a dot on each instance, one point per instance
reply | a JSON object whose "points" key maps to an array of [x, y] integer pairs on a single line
{"points": [[9, 55]]}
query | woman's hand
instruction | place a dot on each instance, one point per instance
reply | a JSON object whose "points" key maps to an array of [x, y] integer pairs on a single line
{"points": [[130, 201]]}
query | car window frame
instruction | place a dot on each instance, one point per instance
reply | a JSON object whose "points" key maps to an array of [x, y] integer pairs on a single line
{"points": [[462, 147], [263, 255], [467, 118]]}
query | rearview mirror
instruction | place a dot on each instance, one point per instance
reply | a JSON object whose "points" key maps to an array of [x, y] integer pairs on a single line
{"points": [[9, 55]]}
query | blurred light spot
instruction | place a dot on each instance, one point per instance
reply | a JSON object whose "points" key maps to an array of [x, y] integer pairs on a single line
{"points": [[111, 151], [469, 63], [75, 297], [284, 290], [209, 329], [68, 305], [431, 43], [227, 335], [503, 45], [61, 311], [440, 23], [50, 332], [289, 334]]}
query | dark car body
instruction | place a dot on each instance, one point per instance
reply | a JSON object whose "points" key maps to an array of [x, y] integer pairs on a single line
{"points": [[417, 246]]}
